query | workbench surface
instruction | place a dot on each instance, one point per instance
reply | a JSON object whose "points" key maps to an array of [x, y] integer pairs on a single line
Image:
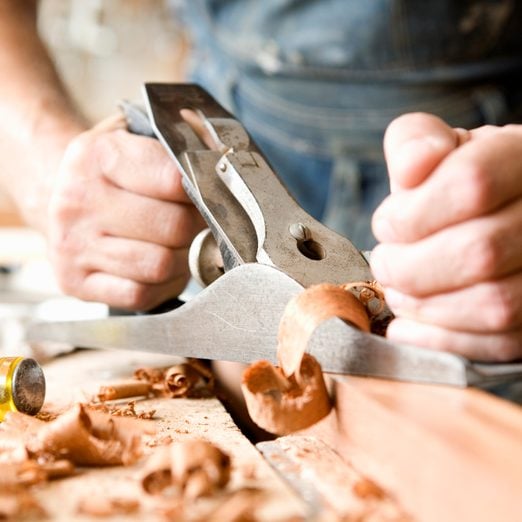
{"points": [[434, 453]]}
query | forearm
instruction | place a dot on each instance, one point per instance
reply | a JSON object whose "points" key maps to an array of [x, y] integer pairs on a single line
{"points": [[37, 118]]}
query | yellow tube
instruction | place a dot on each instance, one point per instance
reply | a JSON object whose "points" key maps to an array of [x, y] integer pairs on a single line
{"points": [[7, 368]]}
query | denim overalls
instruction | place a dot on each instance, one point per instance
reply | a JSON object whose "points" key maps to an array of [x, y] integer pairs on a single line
{"points": [[316, 82]]}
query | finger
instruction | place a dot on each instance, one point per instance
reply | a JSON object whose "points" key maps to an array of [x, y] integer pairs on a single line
{"points": [[481, 176], [462, 255], [139, 261], [496, 347], [414, 144], [139, 164], [127, 294], [133, 216], [111, 123], [493, 306]]}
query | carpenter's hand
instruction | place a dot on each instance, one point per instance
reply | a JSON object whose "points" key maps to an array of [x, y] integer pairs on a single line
{"points": [[120, 223], [450, 256]]}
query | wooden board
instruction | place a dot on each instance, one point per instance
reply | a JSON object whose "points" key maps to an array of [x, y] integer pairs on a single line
{"points": [[75, 377], [446, 454]]}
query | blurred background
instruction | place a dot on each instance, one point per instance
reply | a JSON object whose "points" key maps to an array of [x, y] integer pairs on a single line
{"points": [[105, 50]]}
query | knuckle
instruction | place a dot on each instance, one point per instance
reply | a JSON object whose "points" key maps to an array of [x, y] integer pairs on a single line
{"points": [[501, 312], [178, 226], [69, 281], [106, 151], [64, 246], [67, 202], [477, 187], [508, 348], [159, 268], [138, 297], [485, 256], [170, 177], [79, 150], [164, 265]]}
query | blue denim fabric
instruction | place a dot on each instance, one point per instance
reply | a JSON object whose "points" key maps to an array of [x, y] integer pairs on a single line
{"points": [[317, 82]]}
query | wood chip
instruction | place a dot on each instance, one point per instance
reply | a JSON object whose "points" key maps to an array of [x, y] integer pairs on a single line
{"points": [[294, 396], [188, 469], [107, 506], [18, 504], [182, 380], [90, 439], [123, 390], [306, 311], [280, 405]]}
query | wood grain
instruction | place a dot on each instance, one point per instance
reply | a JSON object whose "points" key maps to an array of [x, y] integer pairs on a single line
{"points": [[77, 376], [446, 454]]}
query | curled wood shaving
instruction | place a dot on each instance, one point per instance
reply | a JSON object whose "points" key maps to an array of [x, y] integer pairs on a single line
{"points": [[18, 504], [236, 506], [282, 405], [123, 390], [294, 396], [84, 437], [56, 468], [150, 375], [12, 448], [190, 379], [21, 474], [74, 436], [188, 469], [181, 380]]}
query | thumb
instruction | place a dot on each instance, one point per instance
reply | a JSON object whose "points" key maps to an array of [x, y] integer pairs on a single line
{"points": [[414, 144]]}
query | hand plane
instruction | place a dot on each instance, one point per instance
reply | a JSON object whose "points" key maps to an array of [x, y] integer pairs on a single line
{"points": [[260, 250]]}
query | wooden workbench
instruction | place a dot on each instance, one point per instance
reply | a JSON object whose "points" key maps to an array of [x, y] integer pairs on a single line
{"points": [[438, 453], [447, 454], [75, 377]]}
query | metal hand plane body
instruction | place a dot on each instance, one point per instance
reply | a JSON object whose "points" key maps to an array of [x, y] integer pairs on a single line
{"points": [[249, 211], [268, 248]]}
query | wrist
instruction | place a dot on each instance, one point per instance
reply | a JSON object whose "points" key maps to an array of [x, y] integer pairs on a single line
{"points": [[32, 162]]}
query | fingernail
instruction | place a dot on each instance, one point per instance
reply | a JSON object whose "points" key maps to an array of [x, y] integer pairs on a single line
{"points": [[408, 154]]}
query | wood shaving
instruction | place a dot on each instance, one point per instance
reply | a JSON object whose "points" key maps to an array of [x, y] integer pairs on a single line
{"points": [[280, 405], [150, 375], [46, 416], [164, 440], [17, 504], [124, 390], [128, 410], [87, 438], [55, 469], [294, 396], [188, 469], [182, 380], [366, 488], [190, 379], [107, 506], [237, 506], [21, 474]]}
